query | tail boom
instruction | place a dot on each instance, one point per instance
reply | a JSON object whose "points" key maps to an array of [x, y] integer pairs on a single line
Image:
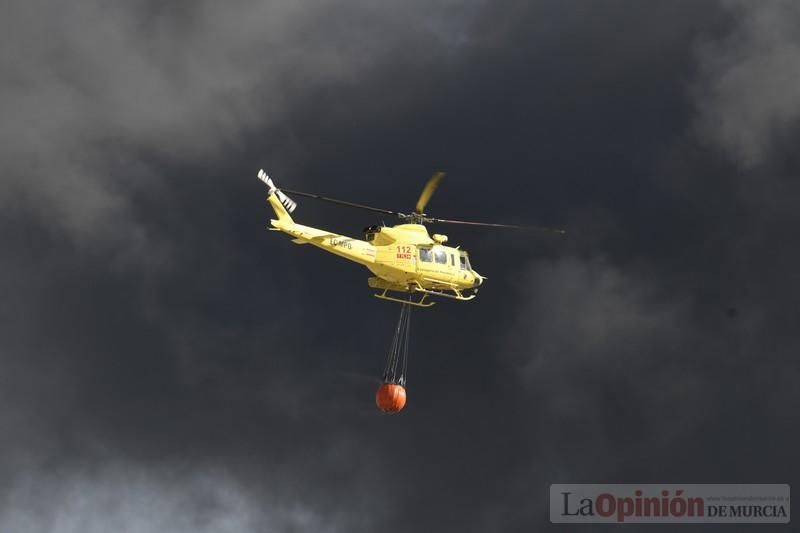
{"points": [[353, 249]]}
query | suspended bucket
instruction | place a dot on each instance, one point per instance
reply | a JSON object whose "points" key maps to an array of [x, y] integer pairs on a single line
{"points": [[390, 397]]}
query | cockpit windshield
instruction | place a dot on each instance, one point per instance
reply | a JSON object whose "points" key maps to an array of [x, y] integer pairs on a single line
{"points": [[464, 261]]}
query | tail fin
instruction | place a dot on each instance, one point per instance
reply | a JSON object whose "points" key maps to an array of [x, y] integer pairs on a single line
{"points": [[282, 204]]}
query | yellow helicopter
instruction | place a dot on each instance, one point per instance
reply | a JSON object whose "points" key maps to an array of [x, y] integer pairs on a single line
{"points": [[404, 258]]}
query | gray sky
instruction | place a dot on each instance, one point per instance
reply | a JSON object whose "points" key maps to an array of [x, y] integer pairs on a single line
{"points": [[169, 365]]}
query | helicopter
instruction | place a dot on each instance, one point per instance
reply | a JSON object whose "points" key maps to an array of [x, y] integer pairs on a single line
{"points": [[404, 258]]}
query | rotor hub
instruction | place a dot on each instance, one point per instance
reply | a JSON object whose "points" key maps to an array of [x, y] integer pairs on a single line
{"points": [[415, 218]]}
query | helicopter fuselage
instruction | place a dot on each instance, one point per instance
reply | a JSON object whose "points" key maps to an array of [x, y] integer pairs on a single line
{"points": [[404, 258]]}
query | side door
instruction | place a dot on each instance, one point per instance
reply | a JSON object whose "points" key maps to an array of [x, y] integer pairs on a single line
{"points": [[453, 264], [434, 263]]}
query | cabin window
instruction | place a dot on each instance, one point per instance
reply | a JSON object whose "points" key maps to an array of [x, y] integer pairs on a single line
{"points": [[441, 257], [463, 262], [452, 260], [426, 255]]}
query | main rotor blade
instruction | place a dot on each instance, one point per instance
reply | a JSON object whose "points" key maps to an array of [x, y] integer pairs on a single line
{"points": [[340, 202], [428, 191], [491, 225]]}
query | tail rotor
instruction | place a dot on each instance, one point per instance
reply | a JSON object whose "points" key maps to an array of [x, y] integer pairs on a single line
{"points": [[287, 202]]}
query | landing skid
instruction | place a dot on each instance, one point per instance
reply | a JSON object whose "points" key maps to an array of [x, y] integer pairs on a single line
{"points": [[456, 294], [418, 303]]}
